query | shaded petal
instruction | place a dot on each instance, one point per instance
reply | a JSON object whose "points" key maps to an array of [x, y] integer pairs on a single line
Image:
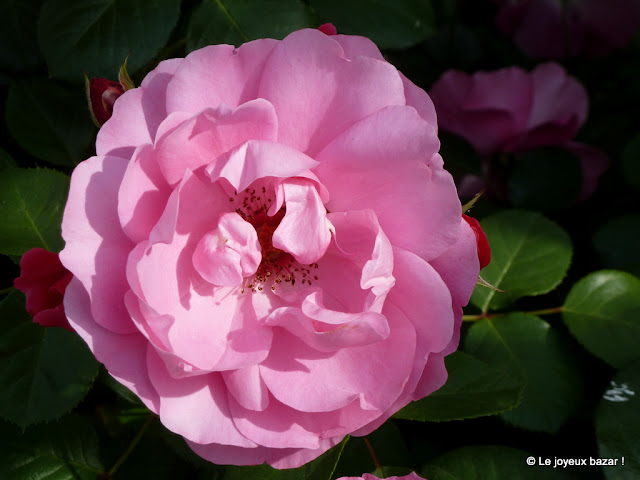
{"points": [[326, 381], [96, 248], [258, 159], [124, 356], [388, 163], [247, 387], [594, 163], [202, 138], [229, 253], [137, 113], [317, 92], [304, 231], [218, 74], [142, 196], [194, 407]]}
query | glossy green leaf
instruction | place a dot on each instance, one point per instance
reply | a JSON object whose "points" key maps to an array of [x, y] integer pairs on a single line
{"points": [[489, 463], [602, 311], [62, 450], [530, 255], [31, 206], [544, 179], [321, 468], [18, 45], [617, 243], [474, 389], [618, 423], [6, 161], [50, 121], [389, 23], [237, 21], [44, 372], [525, 344], [96, 36], [631, 161]]}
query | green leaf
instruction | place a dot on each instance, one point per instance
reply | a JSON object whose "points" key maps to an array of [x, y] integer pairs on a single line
{"points": [[31, 206], [631, 161], [602, 311], [394, 24], [474, 389], [321, 468], [617, 243], [545, 179], [64, 450], [530, 255], [238, 21], [618, 423], [6, 161], [488, 463], [97, 35], [525, 344], [44, 372], [50, 121], [388, 444], [18, 45]]}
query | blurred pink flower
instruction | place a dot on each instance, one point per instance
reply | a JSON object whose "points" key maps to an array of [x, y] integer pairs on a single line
{"points": [[556, 29], [512, 111], [368, 476], [43, 280], [267, 249]]}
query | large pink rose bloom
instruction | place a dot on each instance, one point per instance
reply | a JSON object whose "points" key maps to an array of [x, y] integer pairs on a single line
{"points": [[561, 28], [512, 111], [266, 248]]}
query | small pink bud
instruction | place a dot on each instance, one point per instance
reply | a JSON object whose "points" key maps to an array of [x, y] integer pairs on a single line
{"points": [[102, 94], [328, 29]]}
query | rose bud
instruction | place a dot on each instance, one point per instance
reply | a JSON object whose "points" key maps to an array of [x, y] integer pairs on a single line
{"points": [[43, 280], [328, 29], [102, 94], [484, 250]]}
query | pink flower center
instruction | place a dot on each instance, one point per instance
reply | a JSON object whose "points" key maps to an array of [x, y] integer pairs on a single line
{"points": [[276, 266]]}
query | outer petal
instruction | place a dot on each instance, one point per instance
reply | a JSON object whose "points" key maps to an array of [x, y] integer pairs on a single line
{"points": [[594, 163], [195, 407], [374, 373], [318, 93], [137, 113], [414, 199], [96, 248], [218, 74], [210, 133], [123, 355]]}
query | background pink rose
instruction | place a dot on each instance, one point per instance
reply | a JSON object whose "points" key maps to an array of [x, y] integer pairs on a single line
{"points": [[512, 111], [368, 476], [266, 248], [557, 29]]}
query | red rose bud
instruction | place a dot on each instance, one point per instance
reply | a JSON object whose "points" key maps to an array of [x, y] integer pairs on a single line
{"points": [[484, 250], [328, 29], [43, 280], [101, 95]]}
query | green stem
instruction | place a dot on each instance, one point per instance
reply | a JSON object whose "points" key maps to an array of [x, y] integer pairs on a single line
{"points": [[376, 462], [131, 446], [482, 316]]}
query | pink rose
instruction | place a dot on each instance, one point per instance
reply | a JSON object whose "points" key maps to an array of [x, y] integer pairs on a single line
{"points": [[43, 280], [512, 111], [557, 29], [266, 248], [368, 476]]}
